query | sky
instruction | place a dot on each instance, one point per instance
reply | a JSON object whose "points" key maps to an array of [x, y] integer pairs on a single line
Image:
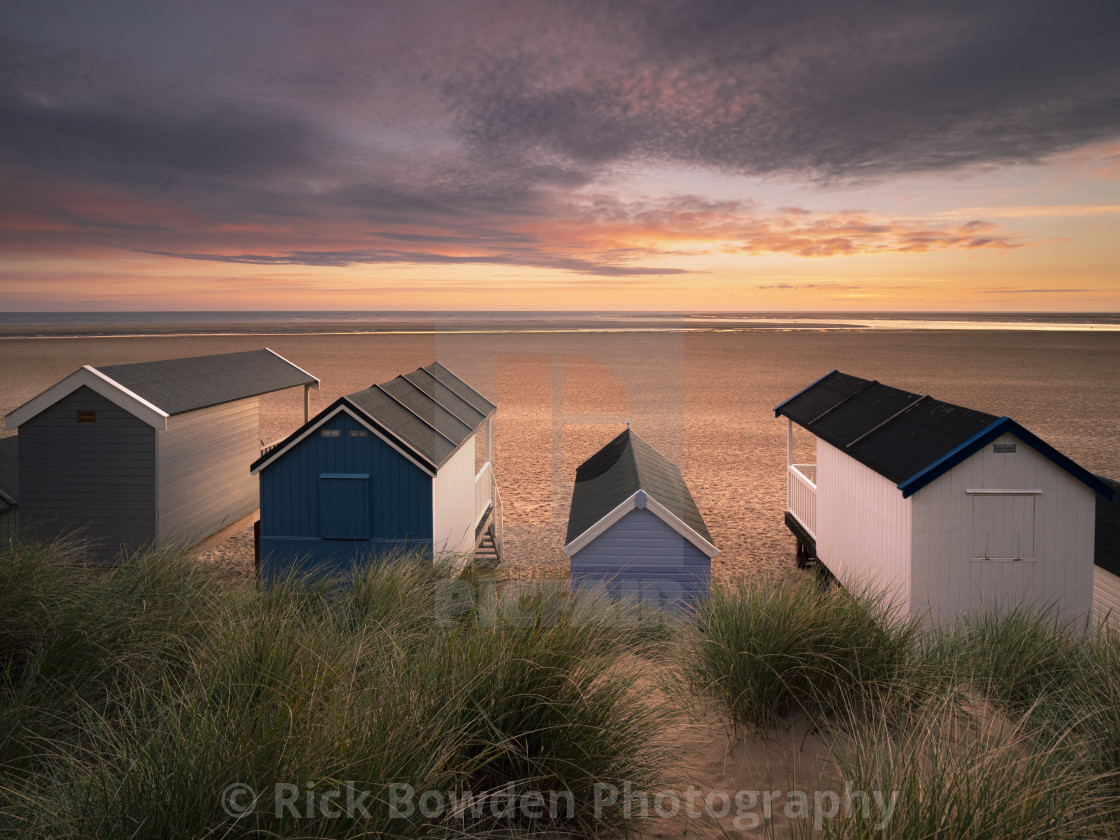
{"points": [[678, 155]]}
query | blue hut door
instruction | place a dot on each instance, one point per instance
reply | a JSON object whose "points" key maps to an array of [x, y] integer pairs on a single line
{"points": [[344, 506]]}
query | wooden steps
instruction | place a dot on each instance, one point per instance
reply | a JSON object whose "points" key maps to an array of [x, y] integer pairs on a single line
{"points": [[486, 554], [485, 546]]}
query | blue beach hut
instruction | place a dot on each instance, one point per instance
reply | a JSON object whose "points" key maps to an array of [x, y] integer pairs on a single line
{"points": [[634, 527], [382, 471]]}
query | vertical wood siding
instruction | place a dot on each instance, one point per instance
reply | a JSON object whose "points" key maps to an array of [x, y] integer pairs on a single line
{"points": [[203, 462], [1106, 597], [863, 526], [100, 477], [399, 497], [642, 556], [453, 506], [949, 581], [9, 524], [344, 506]]}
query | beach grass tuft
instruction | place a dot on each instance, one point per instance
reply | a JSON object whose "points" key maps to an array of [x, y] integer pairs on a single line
{"points": [[764, 651], [133, 697], [956, 771]]}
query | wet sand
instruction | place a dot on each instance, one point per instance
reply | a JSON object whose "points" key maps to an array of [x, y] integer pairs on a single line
{"points": [[704, 398]]}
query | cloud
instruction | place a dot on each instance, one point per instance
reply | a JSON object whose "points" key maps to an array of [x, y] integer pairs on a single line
{"points": [[692, 223], [809, 286], [484, 132], [1039, 211], [610, 238], [365, 257], [1032, 291], [121, 141], [806, 88]]}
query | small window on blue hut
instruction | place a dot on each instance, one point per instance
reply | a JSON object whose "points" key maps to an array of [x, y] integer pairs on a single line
{"points": [[330, 433], [1003, 448], [87, 416], [359, 433]]}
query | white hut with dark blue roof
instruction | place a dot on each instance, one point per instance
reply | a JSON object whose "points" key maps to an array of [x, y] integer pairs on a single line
{"points": [[947, 509], [382, 471], [634, 527], [152, 451]]}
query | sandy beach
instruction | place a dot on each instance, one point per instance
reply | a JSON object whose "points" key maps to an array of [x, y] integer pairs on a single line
{"points": [[705, 399]]}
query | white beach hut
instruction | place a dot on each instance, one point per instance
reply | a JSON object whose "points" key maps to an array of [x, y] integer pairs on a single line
{"points": [[147, 451], [946, 509]]}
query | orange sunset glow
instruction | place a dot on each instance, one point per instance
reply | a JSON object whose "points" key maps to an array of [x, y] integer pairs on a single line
{"points": [[552, 156]]}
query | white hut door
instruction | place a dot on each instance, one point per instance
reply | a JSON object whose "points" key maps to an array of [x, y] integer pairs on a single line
{"points": [[1003, 558]]}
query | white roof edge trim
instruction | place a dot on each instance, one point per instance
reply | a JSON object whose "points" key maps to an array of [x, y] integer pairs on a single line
{"points": [[101, 384], [280, 450], [297, 367], [680, 526], [657, 509], [602, 525]]}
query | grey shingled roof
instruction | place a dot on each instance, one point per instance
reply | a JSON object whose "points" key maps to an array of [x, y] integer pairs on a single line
{"points": [[894, 432], [180, 385], [431, 410], [9, 472], [464, 391], [617, 471]]}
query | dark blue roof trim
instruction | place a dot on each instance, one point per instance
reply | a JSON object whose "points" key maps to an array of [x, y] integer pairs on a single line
{"points": [[1002, 426], [778, 408]]}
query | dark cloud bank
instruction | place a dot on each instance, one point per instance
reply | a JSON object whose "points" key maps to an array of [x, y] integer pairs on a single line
{"points": [[460, 129]]}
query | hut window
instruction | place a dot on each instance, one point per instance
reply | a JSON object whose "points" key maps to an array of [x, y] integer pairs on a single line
{"points": [[331, 433], [1003, 526], [359, 433], [87, 416]]}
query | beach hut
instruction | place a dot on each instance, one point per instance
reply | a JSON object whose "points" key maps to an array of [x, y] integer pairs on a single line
{"points": [[9, 488], [634, 527], [147, 451], [946, 509], [1106, 558], [379, 472]]}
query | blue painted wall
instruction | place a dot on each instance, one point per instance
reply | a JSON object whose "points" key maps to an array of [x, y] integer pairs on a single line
{"points": [[643, 557], [316, 489]]}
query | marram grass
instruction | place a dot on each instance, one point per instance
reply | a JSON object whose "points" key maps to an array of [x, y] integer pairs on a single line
{"points": [[956, 771], [1005, 725], [132, 698], [765, 651]]}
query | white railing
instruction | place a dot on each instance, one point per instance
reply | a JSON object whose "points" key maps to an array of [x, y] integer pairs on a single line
{"points": [[486, 493], [483, 491], [499, 520], [268, 447], [801, 495]]}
